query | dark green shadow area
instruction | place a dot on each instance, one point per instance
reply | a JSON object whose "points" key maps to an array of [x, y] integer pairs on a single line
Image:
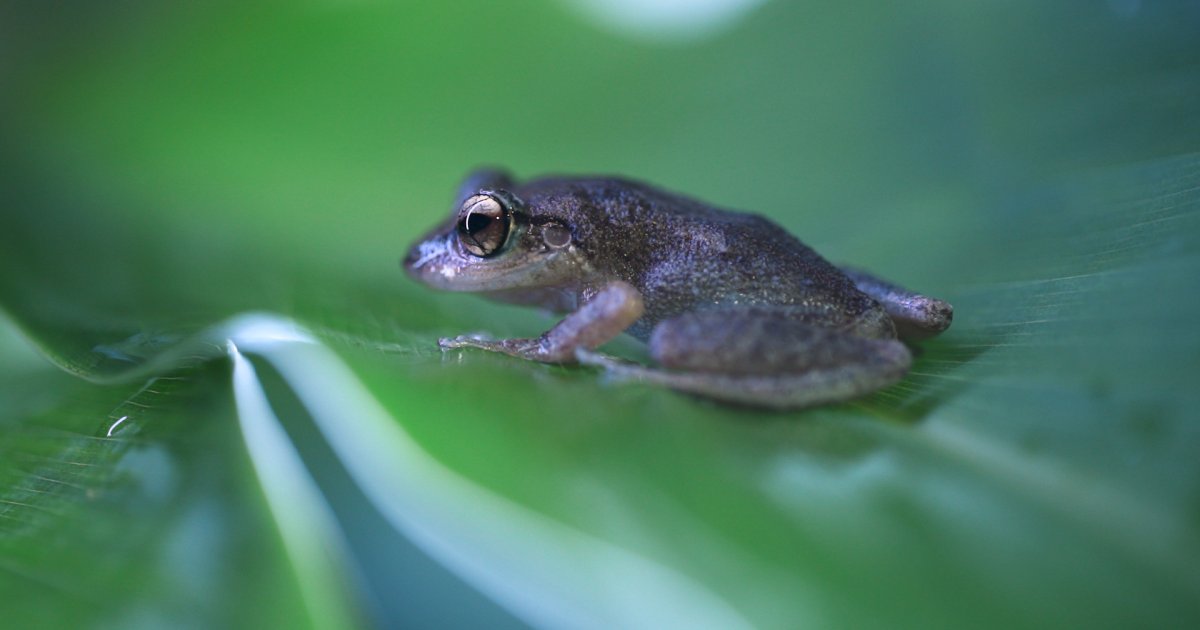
{"points": [[400, 582], [130, 505]]}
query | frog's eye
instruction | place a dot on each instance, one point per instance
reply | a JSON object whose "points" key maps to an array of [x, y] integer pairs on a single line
{"points": [[484, 226]]}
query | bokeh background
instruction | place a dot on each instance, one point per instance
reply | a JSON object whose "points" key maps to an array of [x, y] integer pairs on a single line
{"points": [[167, 167]]}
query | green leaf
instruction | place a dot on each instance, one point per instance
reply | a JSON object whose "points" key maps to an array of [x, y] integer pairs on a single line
{"points": [[132, 505], [244, 419]]}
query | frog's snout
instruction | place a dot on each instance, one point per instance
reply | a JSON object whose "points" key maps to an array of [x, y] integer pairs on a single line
{"points": [[428, 261], [411, 258], [418, 256]]}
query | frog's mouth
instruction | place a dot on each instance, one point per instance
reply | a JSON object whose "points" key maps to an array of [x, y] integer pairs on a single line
{"points": [[441, 263]]}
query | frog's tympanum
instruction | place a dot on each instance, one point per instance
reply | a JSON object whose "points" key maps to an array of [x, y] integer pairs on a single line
{"points": [[732, 306]]}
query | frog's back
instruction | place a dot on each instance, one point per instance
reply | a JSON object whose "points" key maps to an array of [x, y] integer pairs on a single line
{"points": [[685, 255]]}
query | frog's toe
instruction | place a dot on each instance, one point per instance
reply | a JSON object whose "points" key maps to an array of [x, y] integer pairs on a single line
{"points": [[464, 341]]}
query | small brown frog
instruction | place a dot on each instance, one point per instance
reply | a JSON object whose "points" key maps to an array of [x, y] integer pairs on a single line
{"points": [[732, 306]]}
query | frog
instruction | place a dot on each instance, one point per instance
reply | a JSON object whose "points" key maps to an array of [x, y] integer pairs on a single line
{"points": [[730, 306]]}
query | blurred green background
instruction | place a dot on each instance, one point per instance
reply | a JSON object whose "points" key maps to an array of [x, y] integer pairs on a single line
{"points": [[165, 167]]}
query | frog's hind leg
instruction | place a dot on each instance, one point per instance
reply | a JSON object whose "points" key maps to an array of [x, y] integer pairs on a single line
{"points": [[916, 316], [763, 358]]}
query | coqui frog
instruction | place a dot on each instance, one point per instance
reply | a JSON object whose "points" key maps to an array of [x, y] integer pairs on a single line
{"points": [[732, 307]]}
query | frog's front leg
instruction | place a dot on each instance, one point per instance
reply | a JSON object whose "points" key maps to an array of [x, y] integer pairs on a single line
{"points": [[613, 309], [764, 357]]}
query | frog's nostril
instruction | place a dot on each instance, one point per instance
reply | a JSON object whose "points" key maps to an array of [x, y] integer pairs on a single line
{"points": [[411, 258]]}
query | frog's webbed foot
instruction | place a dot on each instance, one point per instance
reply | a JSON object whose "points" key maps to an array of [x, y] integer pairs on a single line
{"points": [[605, 316], [916, 316], [762, 358]]}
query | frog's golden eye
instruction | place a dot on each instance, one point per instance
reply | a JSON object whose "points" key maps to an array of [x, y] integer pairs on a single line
{"points": [[484, 225]]}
